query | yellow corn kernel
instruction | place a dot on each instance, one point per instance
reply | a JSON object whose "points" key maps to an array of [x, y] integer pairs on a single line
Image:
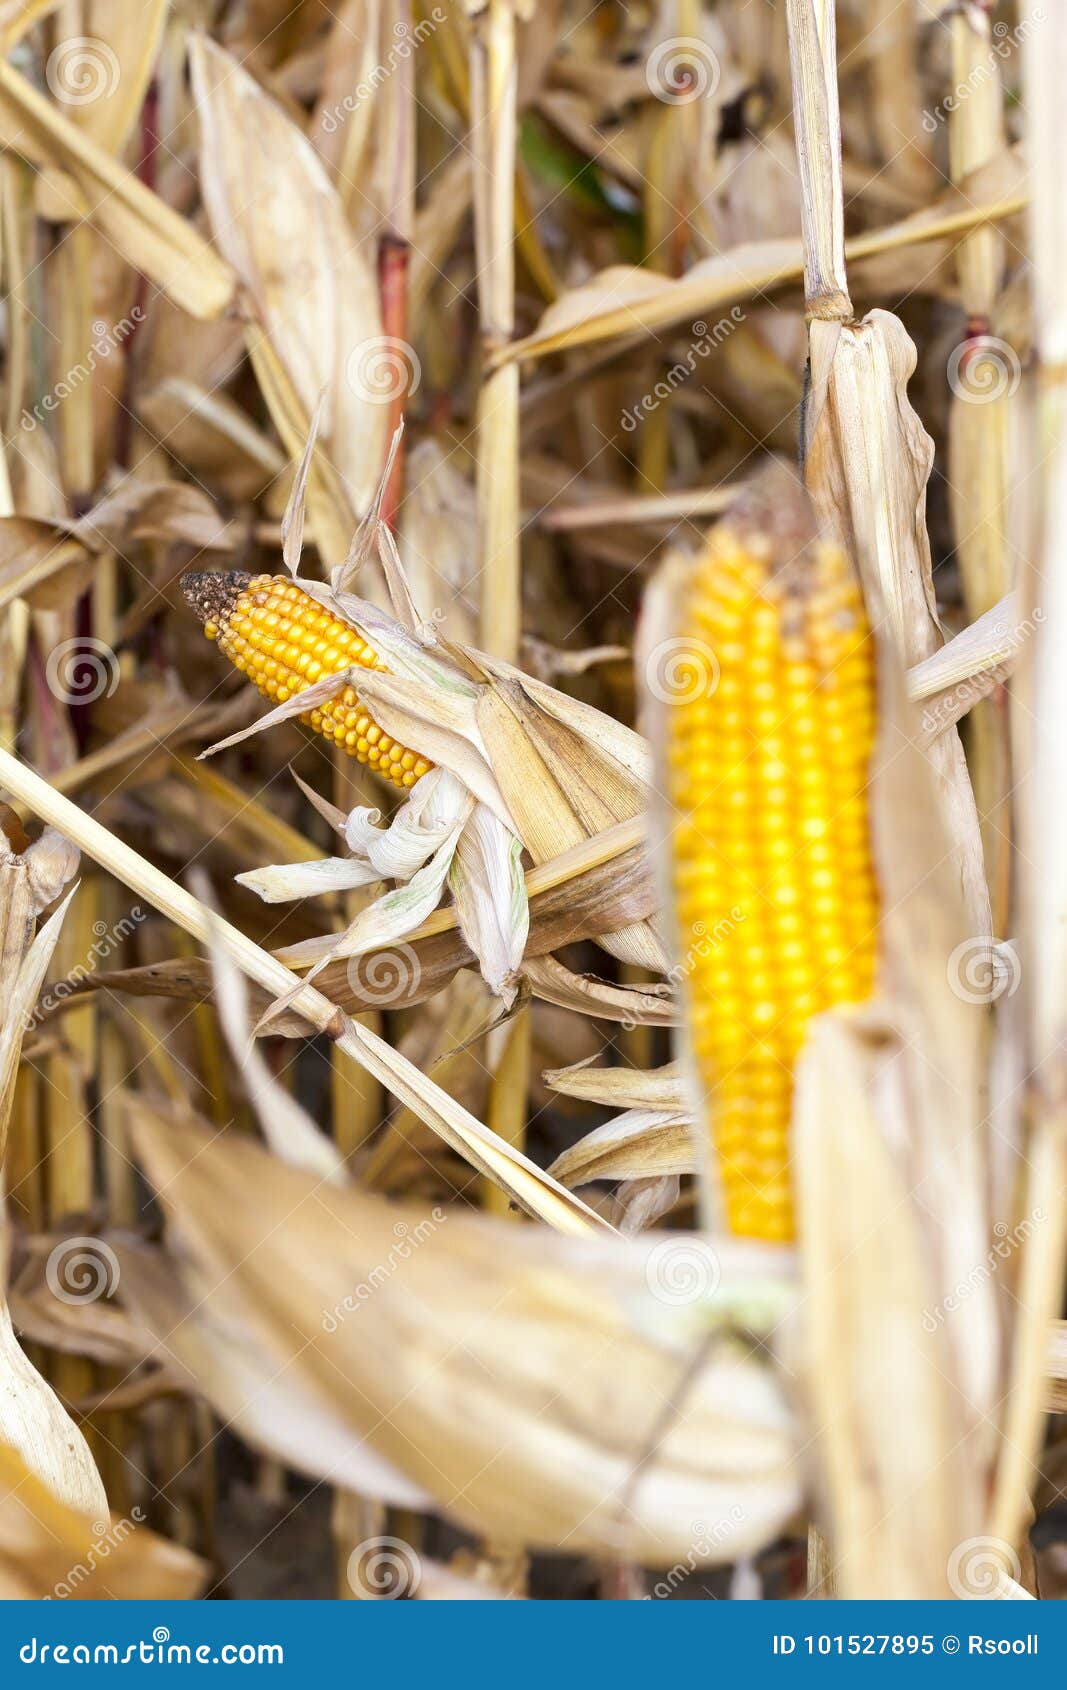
{"points": [[767, 755], [284, 640]]}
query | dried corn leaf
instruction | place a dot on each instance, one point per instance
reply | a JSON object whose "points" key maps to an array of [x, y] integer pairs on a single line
{"points": [[621, 1088], [280, 223], [150, 236], [626, 300], [626, 1434], [102, 74]]}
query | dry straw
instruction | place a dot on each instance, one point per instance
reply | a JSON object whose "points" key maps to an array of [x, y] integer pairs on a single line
{"points": [[398, 1113]]}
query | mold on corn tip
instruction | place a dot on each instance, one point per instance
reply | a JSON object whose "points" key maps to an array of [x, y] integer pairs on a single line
{"points": [[284, 641]]}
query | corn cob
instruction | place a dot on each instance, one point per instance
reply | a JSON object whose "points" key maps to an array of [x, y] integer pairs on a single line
{"points": [[773, 881], [284, 640]]}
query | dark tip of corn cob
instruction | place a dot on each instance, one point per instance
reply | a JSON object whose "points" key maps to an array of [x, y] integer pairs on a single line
{"points": [[212, 594], [285, 641]]}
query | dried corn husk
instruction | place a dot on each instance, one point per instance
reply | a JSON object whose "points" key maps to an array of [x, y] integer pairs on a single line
{"points": [[282, 227], [547, 1447]]}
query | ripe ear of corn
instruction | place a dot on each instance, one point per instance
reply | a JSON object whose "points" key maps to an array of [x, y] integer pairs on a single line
{"points": [[284, 640], [773, 883]]}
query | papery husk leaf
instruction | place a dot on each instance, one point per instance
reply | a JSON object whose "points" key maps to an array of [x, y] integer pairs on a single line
{"points": [[281, 883], [896, 1506], [490, 892], [280, 223], [621, 1088], [928, 947], [653, 1006], [605, 1431], [552, 780], [34, 1423], [640, 1144], [867, 465]]}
